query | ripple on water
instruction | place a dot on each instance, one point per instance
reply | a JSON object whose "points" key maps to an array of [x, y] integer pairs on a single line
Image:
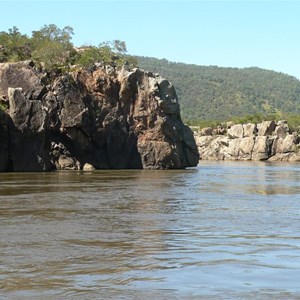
{"points": [[222, 230]]}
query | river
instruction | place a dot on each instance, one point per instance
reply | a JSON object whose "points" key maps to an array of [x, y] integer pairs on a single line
{"points": [[223, 230]]}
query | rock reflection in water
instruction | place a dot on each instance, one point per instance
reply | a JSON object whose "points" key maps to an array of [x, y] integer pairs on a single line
{"points": [[223, 229]]}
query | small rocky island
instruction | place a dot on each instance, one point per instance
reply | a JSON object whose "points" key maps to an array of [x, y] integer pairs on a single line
{"points": [[90, 118], [266, 141]]}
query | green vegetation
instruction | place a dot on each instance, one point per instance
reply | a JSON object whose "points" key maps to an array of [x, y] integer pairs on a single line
{"points": [[211, 95], [3, 107], [208, 95], [292, 119], [113, 53], [51, 49], [52, 46], [14, 46]]}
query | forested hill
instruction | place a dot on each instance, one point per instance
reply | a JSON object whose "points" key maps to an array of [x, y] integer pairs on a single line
{"points": [[210, 92]]}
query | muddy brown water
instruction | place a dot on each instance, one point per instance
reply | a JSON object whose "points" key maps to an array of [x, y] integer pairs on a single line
{"points": [[218, 231]]}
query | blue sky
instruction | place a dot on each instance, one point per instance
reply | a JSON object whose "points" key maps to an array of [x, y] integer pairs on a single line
{"points": [[264, 34]]}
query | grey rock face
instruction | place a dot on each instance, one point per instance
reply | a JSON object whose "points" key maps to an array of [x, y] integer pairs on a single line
{"points": [[266, 141], [261, 148], [250, 130], [21, 75], [27, 115], [266, 128], [29, 144], [282, 129], [99, 117], [236, 131]]}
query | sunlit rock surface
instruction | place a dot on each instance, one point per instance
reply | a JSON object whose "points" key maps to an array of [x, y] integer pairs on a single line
{"points": [[100, 117]]}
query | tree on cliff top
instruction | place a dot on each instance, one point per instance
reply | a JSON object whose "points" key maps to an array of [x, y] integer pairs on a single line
{"points": [[111, 52], [51, 48], [14, 46]]}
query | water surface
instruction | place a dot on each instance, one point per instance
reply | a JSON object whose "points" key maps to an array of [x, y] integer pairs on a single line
{"points": [[220, 231]]}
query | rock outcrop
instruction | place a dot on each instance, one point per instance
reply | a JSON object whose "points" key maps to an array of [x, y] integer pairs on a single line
{"points": [[97, 118], [266, 141]]}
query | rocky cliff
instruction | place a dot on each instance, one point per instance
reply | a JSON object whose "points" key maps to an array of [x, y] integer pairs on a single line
{"points": [[265, 141], [97, 118]]}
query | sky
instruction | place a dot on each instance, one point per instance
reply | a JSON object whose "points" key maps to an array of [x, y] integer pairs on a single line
{"points": [[264, 34]]}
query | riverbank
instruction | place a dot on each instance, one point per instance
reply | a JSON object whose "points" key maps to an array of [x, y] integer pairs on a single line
{"points": [[266, 141]]}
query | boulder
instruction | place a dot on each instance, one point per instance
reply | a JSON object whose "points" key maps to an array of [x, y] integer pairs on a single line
{"points": [[282, 129], [61, 158], [240, 148], [295, 157], [88, 167], [246, 148], [250, 130], [285, 145], [234, 148], [203, 141], [286, 157], [213, 148], [262, 148], [236, 131], [266, 128], [67, 163]]}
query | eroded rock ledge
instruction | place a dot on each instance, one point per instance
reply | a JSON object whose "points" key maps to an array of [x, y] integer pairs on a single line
{"points": [[265, 141], [96, 118]]}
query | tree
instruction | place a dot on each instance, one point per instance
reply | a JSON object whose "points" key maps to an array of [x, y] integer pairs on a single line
{"points": [[52, 55], [14, 46], [119, 46], [52, 46], [54, 34], [87, 56], [112, 53]]}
